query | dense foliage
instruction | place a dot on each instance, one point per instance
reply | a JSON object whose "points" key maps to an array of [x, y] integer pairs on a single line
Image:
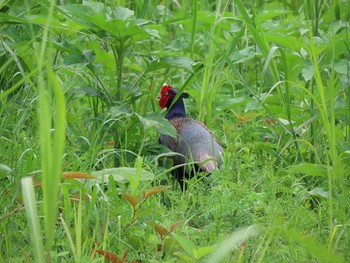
{"points": [[79, 81]]}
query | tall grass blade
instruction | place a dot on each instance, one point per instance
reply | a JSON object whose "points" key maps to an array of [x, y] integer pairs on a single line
{"points": [[78, 222], [194, 26], [235, 239], [326, 105], [51, 146], [313, 246], [32, 215]]}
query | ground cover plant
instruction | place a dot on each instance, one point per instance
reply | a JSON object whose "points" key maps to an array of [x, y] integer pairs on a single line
{"points": [[83, 177]]}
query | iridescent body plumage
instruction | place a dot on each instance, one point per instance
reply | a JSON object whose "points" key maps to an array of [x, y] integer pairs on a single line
{"points": [[194, 140]]}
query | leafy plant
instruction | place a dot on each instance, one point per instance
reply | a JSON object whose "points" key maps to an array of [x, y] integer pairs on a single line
{"points": [[80, 124]]}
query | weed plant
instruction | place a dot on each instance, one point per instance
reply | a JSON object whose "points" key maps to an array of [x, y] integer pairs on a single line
{"points": [[83, 176]]}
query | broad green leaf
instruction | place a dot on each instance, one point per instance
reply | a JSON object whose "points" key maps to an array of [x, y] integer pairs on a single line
{"points": [[308, 72], [152, 32], [342, 66], [122, 31], [118, 27], [186, 244], [5, 18], [98, 7], [229, 103], [169, 244], [136, 241], [270, 14], [113, 189], [74, 58], [102, 56], [147, 122], [253, 105], [290, 42], [90, 56], [66, 47], [308, 169], [121, 13], [148, 212], [122, 174], [79, 10], [244, 55], [170, 62], [86, 91], [266, 147], [181, 62], [42, 20], [118, 111], [203, 251], [161, 124]]}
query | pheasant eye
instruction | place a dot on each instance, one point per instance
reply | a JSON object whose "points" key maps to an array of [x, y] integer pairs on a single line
{"points": [[166, 93]]}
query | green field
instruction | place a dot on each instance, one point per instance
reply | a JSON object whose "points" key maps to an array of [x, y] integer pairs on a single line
{"points": [[83, 177]]}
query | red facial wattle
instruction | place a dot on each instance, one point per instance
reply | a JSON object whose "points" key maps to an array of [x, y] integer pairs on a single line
{"points": [[163, 101], [165, 95]]}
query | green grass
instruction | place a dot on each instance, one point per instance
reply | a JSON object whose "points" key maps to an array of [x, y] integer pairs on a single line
{"points": [[78, 94]]}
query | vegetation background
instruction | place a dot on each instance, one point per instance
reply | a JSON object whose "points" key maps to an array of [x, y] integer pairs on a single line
{"points": [[79, 81]]}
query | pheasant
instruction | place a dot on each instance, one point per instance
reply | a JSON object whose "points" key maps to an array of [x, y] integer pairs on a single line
{"points": [[194, 141]]}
